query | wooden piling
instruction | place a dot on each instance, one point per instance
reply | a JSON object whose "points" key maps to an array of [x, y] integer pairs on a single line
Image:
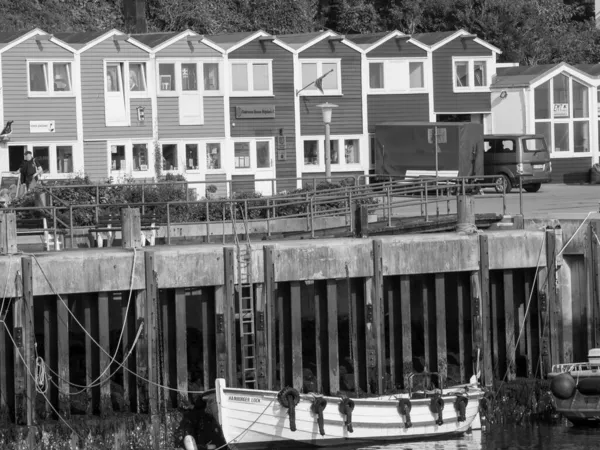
{"points": [[361, 216], [229, 316], [440, 321], [50, 339], [318, 301], [165, 299], [332, 337], [282, 320], [426, 326], [8, 233], [4, 376], [131, 232], [588, 257], [296, 316], [151, 328], [394, 335], [270, 316], [354, 344], [207, 344], [528, 332], [104, 341], [261, 337], [595, 263], [181, 348], [476, 323], [63, 320], [544, 319], [509, 324], [223, 370], [141, 352], [554, 304], [407, 364], [379, 313], [460, 295], [484, 268], [92, 358], [495, 318]]}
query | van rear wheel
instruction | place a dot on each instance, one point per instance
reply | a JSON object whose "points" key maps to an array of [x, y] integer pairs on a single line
{"points": [[532, 187], [503, 184]]}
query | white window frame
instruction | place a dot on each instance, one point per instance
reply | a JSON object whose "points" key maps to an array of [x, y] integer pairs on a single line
{"points": [[391, 90], [202, 159], [178, 91], [342, 166], [253, 156], [319, 62], [570, 153], [470, 60], [50, 92], [145, 92], [180, 156], [77, 157], [129, 172], [251, 92]]}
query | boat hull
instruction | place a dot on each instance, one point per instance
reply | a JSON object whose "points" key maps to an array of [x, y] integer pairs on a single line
{"points": [[255, 419], [580, 409]]}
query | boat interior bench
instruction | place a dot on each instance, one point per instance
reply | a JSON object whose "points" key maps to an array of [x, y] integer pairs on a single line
{"points": [[109, 224], [38, 226]]}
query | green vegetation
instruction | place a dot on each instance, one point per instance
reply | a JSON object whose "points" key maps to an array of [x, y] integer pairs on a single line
{"points": [[528, 31]]}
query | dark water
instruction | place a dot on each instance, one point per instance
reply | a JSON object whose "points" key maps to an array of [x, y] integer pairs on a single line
{"points": [[545, 437]]}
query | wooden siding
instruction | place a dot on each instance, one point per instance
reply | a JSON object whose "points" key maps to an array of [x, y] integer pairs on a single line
{"points": [[145, 127], [397, 108], [92, 87], [242, 183], [283, 99], [168, 119], [18, 106], [445, 100], [95, 160], [185, 49], [218, 180], [571, 170], [347, 118], [395, 48]]}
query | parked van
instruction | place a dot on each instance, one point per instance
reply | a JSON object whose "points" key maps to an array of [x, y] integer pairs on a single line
{"points": [[509, 155]]}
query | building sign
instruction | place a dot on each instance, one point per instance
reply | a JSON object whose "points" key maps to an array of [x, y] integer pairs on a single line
{"points": [[41, 126], [561, 110], [255, 112]]}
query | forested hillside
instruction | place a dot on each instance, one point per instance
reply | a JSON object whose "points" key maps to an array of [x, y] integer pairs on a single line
{"points": [[528, 31]]}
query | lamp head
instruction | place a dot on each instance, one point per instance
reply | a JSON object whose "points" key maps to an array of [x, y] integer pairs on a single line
{"points": [[327, 109]]}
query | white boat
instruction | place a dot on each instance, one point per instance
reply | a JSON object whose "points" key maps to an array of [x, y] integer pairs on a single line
{"points": [[256, 419]]}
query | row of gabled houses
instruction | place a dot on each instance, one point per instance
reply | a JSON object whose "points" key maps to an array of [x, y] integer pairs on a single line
{"points": [[241, 107]]}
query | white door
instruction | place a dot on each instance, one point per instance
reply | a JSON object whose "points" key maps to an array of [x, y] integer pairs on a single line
{"points": [[265, 168], [115, 109]]}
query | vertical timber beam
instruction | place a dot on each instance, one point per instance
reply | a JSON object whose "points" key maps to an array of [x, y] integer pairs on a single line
{"points": [[206, 340], [104, 341], [141, 350], [270, 319], [484, 268], [476, 322], [370, 336], [164, 303], [394, 332], [407, 364], [181, 348], [544, 318], [229, 316], [220, 335], [63, 319], [460, 295], [8, 233], [379, 313], [318, 304], [131, 228], [22, 324], [509, 324], [494, 317], [125, 344], [152, 326], [356, 369], [296, 315], [332, 337], [50, 330], [595, 262], [440, 320], [554, 306], [426, 336], [261, 337], [281, 319], [528, 335], [590, 286]]}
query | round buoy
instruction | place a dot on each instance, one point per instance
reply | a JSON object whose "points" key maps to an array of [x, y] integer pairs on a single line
{"points": [[589, 386], [189, 443], [563, 386]]}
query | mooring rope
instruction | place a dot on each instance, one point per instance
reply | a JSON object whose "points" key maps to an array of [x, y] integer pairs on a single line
{"points": [[232, 442]]}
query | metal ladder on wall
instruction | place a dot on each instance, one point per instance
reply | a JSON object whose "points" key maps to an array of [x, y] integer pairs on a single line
{"points": [[245, 294]]}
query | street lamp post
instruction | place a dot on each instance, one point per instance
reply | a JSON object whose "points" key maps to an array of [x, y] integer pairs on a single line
{"points": [[327, 109]]}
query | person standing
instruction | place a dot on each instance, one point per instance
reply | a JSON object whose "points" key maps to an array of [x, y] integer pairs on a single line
{"points": [[29, 171]]}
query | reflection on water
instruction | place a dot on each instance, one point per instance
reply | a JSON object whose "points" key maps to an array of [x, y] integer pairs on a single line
{"points": [[546, 437]]}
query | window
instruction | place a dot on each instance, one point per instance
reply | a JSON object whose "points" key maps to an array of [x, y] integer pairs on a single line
{"points": [[117, 158], [545, 129], [561, 137], [561, 96], [542, 101], [114, 77], [241, 154], [471, 75], [189, 77], [211, 76], [351, 151], [191, 156], [263, 155], [534, 144], [47, 78], [169, 155], [311, 152], [372, 150], [580, 101], [334, 151], [251, 78], [581, 136], [16, 156], [41, 154], [137, 77], [140, 157], [213, 156], [324, 74], [166, 77], [396, 75], [64, 159]]}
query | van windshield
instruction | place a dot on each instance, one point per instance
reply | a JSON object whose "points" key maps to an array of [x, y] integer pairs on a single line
{"points": [[534, 144]]}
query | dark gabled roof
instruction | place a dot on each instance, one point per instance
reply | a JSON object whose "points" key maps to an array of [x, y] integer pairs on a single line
{"points": [[366, 40], [590, 69], [78, 40], [520, 76], [6, 37], [296, 41], [432, 38], [226, 41], [154, 39]]}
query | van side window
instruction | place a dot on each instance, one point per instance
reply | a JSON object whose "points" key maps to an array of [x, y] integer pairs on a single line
{"points": [[487, 146], [493, 145], [508, 146]]}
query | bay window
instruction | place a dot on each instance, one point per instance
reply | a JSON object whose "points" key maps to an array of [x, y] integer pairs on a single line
{"points": [[325, 76], [396, 76], [49, 78], [471, 74], [562, 115], [251, 78]]}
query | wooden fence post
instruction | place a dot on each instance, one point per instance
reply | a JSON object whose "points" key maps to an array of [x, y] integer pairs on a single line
{"points": [[8, 233], [131, 228]]}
